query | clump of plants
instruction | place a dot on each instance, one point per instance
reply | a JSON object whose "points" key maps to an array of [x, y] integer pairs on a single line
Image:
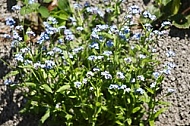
{"points": [[94, 70]]}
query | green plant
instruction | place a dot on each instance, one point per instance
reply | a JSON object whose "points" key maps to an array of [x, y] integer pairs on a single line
{"points": [[177, 11], [91, 71]]}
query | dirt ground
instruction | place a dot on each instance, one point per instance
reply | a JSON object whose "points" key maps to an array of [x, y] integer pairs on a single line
{"points": [[178, 113]]}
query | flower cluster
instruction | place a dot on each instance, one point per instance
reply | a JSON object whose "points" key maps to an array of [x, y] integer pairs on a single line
{"points": [[89, 63]]}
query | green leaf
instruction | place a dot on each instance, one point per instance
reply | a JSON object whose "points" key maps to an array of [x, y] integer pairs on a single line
{"points": [[72, 96], [119, 123], [165, 2], [151, 122], [136, 109], [45, 116], [47, 1], [129, 121], [25, 11], [153, 10], [43, 11], [182, 22], [12, 73], [68, 116], [98, 104], [164, 103], [30, 84], [60, 15], [104, 108], [63, 88], [46, 88], [150, 90], [160, 111], [175, 6], [44, 74], [64, 5]]}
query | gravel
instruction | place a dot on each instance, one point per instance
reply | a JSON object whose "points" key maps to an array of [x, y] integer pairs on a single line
{"points": [[178, 113]]}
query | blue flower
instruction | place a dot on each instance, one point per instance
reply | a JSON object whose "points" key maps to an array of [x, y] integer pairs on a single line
{"points": [[89, 74], [27, 62], [114, 86], [127, 90], [16, 35], [78, 49], [141, 78], [43, 36], [19, 27], [77, 6], [123, 87], [146, 14], [51, 53], [70, 37], [10, 21], [100, 57], [102, 27], [37, 65], [77, 84], [156, 75], [134, 9], [167, 71], [92, 58], [60, 40], [94, 45], [8, 81], [106, 74], [107, 53], [7, 36], [136, 36], [170, 90], [125, 29], [84, 81], [165, 23], [87, 4], [96, 69], [120, 75], [148, 26], [49, 64], [25, 50], [109, 10], [32, 1], [30, 33], [52, 20], [14, 43], [142, 56], [128, 60], [170, 53], [52, 30], [16, 8], [122, 35], [57, 50], [133, 80], [19, 57], [109, 43], [153, 85], [113, 29], [94, 35], [140, 90], [79, 28]]}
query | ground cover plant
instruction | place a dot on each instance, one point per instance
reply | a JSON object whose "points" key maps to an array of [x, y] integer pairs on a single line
{"points": [[177, 11], [92, 68]]}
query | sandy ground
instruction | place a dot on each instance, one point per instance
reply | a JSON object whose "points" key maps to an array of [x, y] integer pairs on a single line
{"points": [[178, 113]]}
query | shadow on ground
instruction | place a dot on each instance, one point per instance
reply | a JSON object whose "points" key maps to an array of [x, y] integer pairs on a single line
{"points": [[181, 33]]}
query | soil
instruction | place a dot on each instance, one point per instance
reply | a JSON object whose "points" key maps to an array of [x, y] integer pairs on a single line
{"points": [[178, 114]]}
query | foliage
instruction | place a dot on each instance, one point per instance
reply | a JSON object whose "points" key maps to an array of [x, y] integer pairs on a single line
{"points": [[90, 71], [176, 11]]}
